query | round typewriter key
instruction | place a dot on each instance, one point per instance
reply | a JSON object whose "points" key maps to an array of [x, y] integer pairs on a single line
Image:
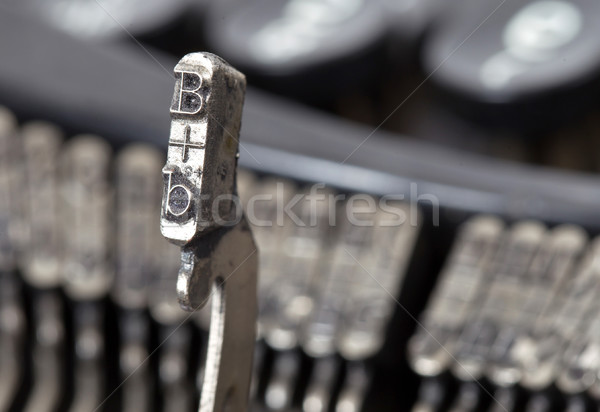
{"points": [[524, 65], [303, 47], [108, 19]]}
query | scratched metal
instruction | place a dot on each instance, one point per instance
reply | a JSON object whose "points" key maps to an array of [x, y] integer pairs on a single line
{"points": [[203, 147], [199, 213]]}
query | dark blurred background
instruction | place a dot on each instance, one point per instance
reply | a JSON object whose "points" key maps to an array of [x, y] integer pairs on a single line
{"points": [[510, 79], [462, 107]]}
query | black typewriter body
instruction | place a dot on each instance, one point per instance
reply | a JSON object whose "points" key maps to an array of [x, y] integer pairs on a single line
{"points": [[477, 122]]}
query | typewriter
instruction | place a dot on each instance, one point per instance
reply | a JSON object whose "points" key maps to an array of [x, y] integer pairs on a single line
{"points": [[464, 133]]}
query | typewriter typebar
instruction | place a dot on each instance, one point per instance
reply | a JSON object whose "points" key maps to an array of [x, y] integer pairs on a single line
{"points": [[512, 258], [12, 321], [41, 261], [577, 371], [459, 288], [540, 352], [218, 255], [550, 269], [103, 302], [89, 272], [137, 262]]}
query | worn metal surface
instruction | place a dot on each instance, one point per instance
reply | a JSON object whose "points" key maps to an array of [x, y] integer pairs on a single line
{"points": [[219, 257]]}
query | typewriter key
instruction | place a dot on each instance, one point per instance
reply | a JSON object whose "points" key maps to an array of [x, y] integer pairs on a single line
{"points": [[525, 65]]}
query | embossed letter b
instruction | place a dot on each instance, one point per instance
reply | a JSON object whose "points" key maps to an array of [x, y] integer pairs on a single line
{"points": [[189, 100]]}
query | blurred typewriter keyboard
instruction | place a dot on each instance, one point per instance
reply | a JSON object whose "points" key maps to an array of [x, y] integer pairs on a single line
{"points": [[89, 312], [89, 318]]}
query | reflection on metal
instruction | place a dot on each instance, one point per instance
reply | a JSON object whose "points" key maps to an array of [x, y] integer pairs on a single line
{"points": [[218, 256]]}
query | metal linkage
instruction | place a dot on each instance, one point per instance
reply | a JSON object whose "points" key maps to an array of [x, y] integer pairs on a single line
{"points": [[458, 291], [219, 257]]}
